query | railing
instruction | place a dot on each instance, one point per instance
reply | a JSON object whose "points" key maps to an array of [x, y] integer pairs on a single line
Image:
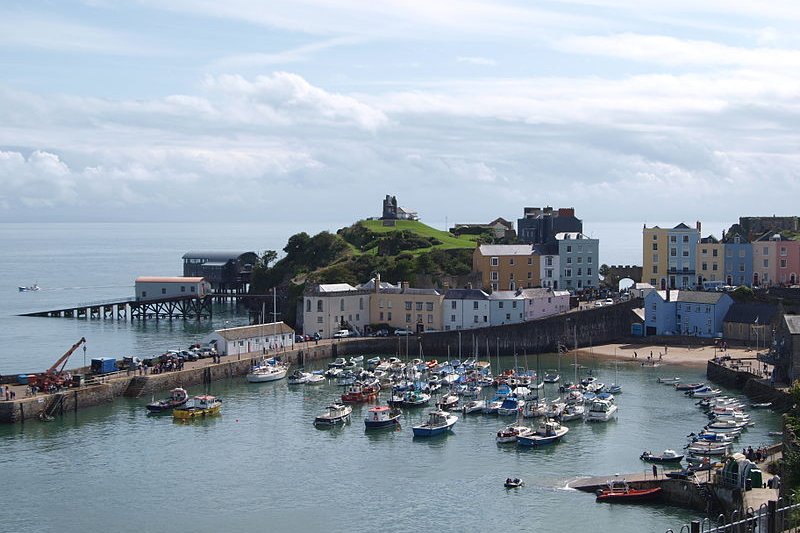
{"points": [[771, 517]]}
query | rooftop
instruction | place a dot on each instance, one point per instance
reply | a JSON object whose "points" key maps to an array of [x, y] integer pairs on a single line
{"points": [[257, 330], [505, 249], [465, 294], [168, 279]]}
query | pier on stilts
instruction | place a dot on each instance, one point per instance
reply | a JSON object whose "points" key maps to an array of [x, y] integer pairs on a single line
{"points": [[178, 308]]}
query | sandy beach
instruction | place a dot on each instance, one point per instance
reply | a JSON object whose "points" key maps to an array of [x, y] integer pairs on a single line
{"points": [[666, 355]]}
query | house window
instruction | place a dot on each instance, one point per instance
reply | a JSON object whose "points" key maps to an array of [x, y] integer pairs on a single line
{"points": [[389, 315], [513, 305], [685, 238], [453, 304], [508, 316], [703, 251], [361, 304], [766, 263], [419, 306], [530, 275], [493, 276], [589, 259], [163, 290], [341, 304], [511, 276], [495, 261], [569, 260], [580, 273], [704, 266], [408, 306], [655, 269], [580, 260], [569, 248], [308, 305], [714, 267], [673, 252], [358, 317], [319, 306], [475, 319], [673, 238], [408, 318], [494, 286], [192, 287], [567, 272], [530, 260], [452, 318], [183, 288], [548, 261], [430, 319], [474, 305], [499, 305], [144, 294], [714, 252], [742, 253], [783, 263], [429, 306], [511, 261], [319, 319], [589, 271]]}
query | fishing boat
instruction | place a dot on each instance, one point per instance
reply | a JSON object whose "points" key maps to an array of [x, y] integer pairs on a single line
{"points": [[29, 288], [438, 422], [668, 456], [762, 405], [359, 393], [473, 406], [382, 417], [620, 491], [198, 407], [708, 448], [336, 413], [510, 433], [269, 370], [548, 432], [177, 397], [601, 411]]}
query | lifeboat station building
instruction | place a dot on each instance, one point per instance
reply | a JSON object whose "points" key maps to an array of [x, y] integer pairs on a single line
{"points": [[264, 338], [151, 288]]}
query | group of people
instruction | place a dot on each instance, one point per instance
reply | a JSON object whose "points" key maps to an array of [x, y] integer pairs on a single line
{"points": [[757, 455], [7, 393], [167, 366]]}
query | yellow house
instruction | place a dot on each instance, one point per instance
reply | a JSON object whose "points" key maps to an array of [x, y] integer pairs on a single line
{"points": [[710, 260], [507, 267], [405, 307]]}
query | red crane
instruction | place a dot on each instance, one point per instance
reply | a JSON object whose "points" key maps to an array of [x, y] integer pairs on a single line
{"points": [[53, 375]]}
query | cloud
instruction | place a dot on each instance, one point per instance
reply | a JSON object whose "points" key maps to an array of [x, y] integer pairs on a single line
{"points": [[671, 51], [293, 55], [476, 61]]}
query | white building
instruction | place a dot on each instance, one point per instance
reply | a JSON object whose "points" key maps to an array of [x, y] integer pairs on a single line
{"points": [[465, 309], [549, 270], [330, 307], [264, 338], [150, 288], [543, 302], [506, 307], [578, 260]]}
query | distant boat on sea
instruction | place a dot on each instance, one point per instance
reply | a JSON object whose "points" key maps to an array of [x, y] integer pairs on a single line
{"points": [[29, 288]]}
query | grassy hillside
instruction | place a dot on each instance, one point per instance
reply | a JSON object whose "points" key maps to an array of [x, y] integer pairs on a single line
{"points": [[446, 241]]}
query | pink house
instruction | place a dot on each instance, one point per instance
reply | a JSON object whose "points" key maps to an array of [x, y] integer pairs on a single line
{"points": [[788, 262]]}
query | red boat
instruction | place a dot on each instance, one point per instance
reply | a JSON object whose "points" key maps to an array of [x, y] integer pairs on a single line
{"points": [[619, 491], [361, 393]]}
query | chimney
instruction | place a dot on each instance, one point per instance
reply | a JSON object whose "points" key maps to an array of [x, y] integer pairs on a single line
{"points": [[698, 226], [404, 285], [377, 282]]}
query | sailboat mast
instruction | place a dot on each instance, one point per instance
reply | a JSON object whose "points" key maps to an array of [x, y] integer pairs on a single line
{"points": [[575, 351]]}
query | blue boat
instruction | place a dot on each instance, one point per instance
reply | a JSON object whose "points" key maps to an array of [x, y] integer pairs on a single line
{"points": [[438, 422], [510, 406]]}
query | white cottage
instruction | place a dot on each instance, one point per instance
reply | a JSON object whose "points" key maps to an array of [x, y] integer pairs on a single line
{"points": [[506, 307], [465, 309], [543, 302], [263, 338]]}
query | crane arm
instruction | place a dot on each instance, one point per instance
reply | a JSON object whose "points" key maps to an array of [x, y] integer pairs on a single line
{"points": [[63, 359]]}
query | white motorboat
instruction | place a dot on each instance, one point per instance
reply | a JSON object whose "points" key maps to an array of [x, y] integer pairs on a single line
{"points": [[551, 376], [669, 381], [29, 288], [573, 412], [711, 448], [337, 413], [493, 405], [534, 409], [601, 411], [473, 406], [548, 432], [270, 370], [298, 377], [510, 433], [555, 409], [315, 379], [339, 362], [438, 422]]}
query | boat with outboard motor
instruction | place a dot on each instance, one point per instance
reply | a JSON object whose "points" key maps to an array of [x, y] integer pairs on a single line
{"points": [[177, 397], [619, 491], [668, 456], [512, 432], [548, 432]]}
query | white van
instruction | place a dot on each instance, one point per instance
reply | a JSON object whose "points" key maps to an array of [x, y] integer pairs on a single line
{"points": [[342, 333]]}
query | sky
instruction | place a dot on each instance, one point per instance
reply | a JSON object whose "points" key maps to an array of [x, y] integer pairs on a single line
{"points": [[311, 111]]}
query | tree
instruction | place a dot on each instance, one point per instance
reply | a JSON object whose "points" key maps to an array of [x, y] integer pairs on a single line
{"points": [[297, 246], [267, 257]]}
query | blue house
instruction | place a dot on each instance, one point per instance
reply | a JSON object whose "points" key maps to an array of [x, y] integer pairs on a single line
{"points": [[738, 265], [685, 313]]}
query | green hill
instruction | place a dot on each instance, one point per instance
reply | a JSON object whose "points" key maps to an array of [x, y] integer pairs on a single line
{"points": [[412, 236]]}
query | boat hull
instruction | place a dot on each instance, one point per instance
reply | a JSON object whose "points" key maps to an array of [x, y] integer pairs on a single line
{"points": [[372, 424], [190, 413], [630, 496]]}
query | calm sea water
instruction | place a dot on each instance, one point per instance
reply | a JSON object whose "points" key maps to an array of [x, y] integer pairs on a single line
{"points": [[262, 466]]}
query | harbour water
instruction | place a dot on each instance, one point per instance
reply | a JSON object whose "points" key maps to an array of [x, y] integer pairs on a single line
{"points": [[261, 465]]}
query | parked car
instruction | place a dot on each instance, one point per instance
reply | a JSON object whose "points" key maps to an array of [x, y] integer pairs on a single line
{"points": [[341, 334], [380, 333], [299, 338], [608, 301], [188, 355], [401, 332]]}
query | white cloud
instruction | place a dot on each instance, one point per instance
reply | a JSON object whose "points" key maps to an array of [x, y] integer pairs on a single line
{"points": [[671, 51], [475, 60]]}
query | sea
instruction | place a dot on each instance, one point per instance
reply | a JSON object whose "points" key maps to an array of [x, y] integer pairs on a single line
{"points": [[262, 465]]}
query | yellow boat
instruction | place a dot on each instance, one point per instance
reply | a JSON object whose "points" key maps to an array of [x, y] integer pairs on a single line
{"points": [[198, 407]]}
